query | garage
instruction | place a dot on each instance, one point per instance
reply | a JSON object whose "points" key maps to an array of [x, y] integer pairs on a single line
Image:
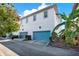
{"points": [[23, 34], [41, 35]]}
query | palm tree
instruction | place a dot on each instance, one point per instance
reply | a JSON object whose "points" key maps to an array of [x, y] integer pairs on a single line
{"points": [[71, 26]]}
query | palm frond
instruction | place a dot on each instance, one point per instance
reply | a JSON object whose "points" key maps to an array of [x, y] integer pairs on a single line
{"points": [[74, 14], [62, 31], [63, 23], [63, 16]]}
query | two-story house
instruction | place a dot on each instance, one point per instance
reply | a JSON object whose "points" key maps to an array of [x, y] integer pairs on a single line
{"points": [[40, 24]]}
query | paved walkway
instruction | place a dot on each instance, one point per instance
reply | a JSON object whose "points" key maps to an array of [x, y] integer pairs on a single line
{"points": [[33, 49], [4, 51], [5, 40]]}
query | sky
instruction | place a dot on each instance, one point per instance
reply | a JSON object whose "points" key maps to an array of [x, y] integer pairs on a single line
{"points": [[27, 8]]}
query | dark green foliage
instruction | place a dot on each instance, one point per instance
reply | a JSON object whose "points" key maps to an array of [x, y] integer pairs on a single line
{"points": [[9, 19]]}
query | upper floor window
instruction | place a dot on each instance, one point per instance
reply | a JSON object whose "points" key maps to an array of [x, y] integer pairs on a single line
{"points": [[45, 14], [34, 18], [26, 20]]}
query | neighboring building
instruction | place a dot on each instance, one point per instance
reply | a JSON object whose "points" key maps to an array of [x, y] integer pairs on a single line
{"points": [[40, 24], [76, 6]]}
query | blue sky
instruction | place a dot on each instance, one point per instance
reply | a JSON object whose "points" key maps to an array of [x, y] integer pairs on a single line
{"points": [[62, 7], [65, 7]]}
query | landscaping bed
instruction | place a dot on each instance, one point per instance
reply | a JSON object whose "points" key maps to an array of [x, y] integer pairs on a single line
{"points": [[65, 46]]}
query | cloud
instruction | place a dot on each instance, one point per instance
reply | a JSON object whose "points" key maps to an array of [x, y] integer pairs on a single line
{"points": [[43, 5], [26, 12], [20, 15]]}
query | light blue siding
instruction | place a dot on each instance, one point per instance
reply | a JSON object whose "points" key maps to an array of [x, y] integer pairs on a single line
{"points": [[41, 35]]}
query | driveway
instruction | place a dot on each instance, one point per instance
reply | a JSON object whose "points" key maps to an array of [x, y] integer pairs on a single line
{"points": [[28, 48]]}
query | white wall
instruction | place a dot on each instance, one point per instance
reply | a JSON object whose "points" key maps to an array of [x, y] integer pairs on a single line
{"points": [[46, 23]]}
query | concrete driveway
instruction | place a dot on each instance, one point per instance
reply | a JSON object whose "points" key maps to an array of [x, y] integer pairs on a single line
{"points": [[28, 48]]}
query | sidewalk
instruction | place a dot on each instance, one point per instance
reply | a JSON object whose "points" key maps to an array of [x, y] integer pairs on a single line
{"points": [[5, 40], [4, 51]]}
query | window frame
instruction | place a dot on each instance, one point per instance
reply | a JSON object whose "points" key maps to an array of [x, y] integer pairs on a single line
{"points": [[45, 14], [34, 17], [26, 20]]}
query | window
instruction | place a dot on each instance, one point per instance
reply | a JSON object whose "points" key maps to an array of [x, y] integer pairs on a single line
{"points": [[34, 18], [26, 20], [45, 14]]}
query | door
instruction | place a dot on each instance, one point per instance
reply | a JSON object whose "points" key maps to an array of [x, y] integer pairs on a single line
{"points": [[41, 35], [23, 34]]}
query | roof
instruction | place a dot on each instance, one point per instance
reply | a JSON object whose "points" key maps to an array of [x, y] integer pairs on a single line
{"points": [[51, 6]]}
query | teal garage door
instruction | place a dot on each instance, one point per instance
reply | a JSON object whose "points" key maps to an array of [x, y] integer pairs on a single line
{"points": [[41, 35], [23, 34]]}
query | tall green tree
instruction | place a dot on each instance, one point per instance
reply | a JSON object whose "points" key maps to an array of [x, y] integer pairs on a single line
{"points": [[9, 19]]}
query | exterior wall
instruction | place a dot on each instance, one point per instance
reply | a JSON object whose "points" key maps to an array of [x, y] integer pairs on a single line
{"points": [[47, 24]]}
